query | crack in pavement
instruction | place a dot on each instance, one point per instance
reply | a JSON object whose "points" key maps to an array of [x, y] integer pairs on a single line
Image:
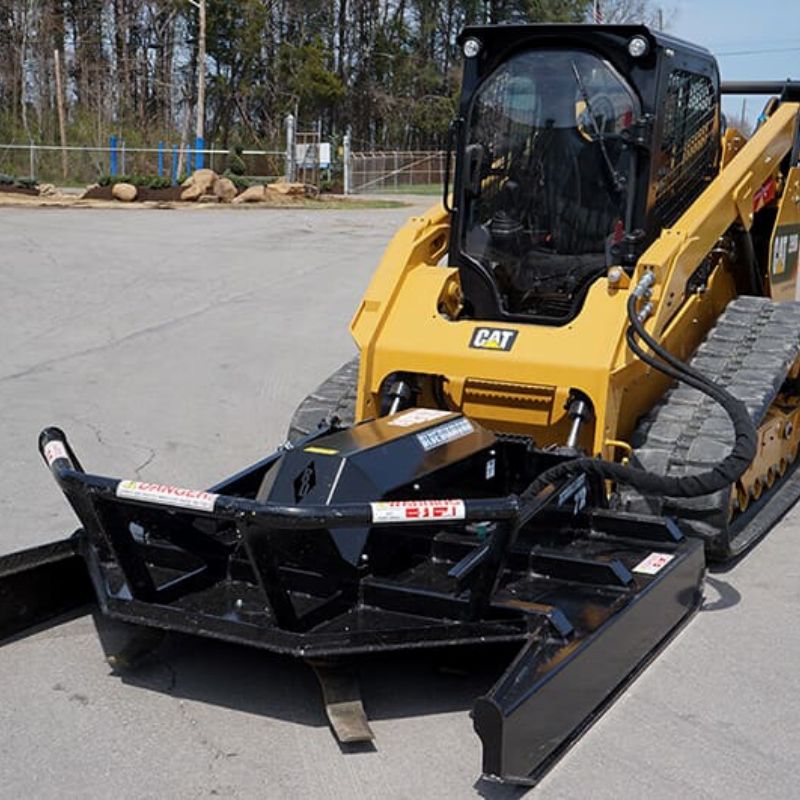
{"points": [[160, 326]]}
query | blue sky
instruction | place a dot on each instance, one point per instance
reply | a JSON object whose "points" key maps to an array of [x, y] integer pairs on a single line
{"points": [[731, 26]]}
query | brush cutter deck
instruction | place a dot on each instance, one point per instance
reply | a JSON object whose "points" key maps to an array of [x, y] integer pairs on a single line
{"points": [[589, 595]]}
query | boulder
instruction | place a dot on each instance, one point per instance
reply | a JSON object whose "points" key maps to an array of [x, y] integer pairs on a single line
{"points": [[284, 187], [47, 190], [252, 194], [124, 192], [208, 198], [225, 189], [204, 178], [192, 193]]}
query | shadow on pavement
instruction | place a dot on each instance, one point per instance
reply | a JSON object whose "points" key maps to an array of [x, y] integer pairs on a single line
{"points": [[393, 686]]}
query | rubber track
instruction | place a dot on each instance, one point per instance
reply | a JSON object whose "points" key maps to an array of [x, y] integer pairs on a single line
{"points": [[749, 351], [335, 395]]}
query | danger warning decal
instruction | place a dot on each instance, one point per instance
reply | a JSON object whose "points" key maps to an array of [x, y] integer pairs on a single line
{"points": [[654, 563], [167, 495], [53, 451], [417, 510]]}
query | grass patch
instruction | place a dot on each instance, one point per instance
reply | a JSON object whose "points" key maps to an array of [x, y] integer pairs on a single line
{"points": [[410, 188], [365, 203], [332, 203]]}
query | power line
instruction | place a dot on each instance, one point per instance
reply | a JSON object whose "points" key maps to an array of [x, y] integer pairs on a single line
{"points": [[759, 52]]}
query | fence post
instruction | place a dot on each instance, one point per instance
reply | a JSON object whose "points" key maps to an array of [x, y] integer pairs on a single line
{"points": [[174, 165], [161, 159], [347, 166], [33, 160], [290, 148], [200, 145], [113, 166]]}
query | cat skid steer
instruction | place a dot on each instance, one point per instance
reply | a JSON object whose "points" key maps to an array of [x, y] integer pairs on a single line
{"points": [[577, 381]]}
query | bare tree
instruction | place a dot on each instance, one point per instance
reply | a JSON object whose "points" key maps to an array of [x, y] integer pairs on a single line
{"points": [[653, 14]]}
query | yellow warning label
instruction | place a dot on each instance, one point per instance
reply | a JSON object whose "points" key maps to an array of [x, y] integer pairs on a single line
{"points": [[322, 451]]}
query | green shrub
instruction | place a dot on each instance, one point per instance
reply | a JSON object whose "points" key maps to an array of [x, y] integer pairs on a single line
{"points": [[140, 181], [240, 183], [20, 183], [235, 164]]}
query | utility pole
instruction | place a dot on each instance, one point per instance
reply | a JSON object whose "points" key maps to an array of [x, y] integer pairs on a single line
{"points": [[60, 105], [200, 5]]}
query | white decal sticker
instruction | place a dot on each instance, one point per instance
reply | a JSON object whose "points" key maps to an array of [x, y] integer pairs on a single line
{"points": [[54, 450], [417, 416], [577, 490], [491, 468], [779, 255], [653, 563], [449, 432], [417, 510], [167, 495]]}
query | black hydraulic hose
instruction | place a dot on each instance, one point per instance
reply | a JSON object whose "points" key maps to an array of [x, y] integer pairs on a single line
{"points": [[718, 477]]}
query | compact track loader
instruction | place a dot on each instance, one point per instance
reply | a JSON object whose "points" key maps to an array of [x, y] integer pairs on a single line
{"points": [[578, 380]]}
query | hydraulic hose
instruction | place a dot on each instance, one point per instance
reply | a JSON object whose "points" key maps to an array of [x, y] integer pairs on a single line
{"points": [[718, 477]]}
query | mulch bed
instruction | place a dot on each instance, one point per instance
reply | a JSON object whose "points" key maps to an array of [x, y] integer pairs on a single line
{"points": [[18, 190], [143, 194]]}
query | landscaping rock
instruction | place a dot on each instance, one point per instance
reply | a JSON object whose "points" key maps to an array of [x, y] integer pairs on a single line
{"points": [[284, 187], [208, 198], [124, 192], [47, 190], [253, 194], [204, 178], [192, 193], [225, 189]]}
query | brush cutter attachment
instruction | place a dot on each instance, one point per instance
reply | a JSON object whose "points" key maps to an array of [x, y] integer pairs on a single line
{"points": [[410, 531]]}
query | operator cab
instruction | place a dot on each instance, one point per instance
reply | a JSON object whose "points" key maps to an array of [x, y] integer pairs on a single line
{"points": [[563, 166]]}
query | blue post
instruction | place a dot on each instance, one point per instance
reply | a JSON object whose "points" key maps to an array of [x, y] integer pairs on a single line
{"points": [[174, 165], [199, 146], [112, 167], [161, 159]]}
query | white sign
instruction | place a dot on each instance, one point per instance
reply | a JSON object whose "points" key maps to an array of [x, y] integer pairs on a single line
{"points": [[54, 450], [448, 432], [405, 419], [654, 563], [308, 156], [167, 495], [417, 510]]}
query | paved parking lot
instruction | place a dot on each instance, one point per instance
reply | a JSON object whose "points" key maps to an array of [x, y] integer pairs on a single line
{"points": [[174, 346]]}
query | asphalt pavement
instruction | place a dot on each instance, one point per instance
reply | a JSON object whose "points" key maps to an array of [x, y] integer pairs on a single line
{"points": [[173, 346]]}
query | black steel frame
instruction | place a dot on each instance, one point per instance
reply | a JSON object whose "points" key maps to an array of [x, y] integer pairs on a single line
{"points": [[558, 579]]}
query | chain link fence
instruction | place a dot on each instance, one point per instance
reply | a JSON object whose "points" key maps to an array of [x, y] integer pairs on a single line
{"points": [[85, 165], [397, 171], [304, 157]]}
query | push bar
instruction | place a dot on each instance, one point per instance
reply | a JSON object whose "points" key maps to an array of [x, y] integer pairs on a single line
{"points": [[58, 454]]}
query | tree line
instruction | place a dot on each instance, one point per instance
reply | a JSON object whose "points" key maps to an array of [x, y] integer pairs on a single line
{"points": [[389, 69]]}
